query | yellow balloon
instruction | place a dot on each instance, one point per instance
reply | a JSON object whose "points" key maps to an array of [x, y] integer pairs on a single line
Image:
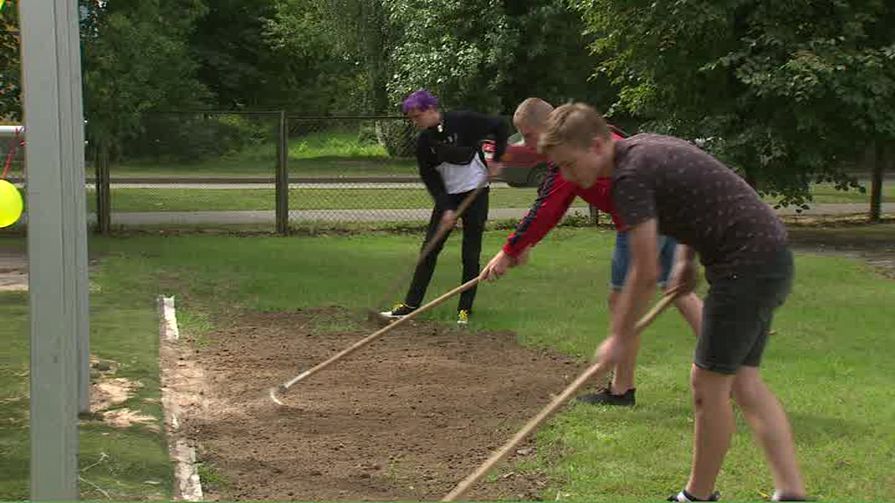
{"points": [[10, 204]]}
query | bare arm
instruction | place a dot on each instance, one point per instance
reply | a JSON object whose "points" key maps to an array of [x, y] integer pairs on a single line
{"points": [[684, 275]]}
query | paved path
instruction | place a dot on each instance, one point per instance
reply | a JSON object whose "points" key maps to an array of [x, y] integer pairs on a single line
{"points": [[392, 215], [270, 186]]}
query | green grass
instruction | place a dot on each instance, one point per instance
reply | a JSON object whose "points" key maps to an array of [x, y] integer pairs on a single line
{"points": [[212, 199], [828, 361], [334, 144], [127, 463], [136, 200], [319, 154]]}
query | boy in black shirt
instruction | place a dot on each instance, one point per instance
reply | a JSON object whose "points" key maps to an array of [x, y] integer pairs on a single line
{"points": [[452, 166]]}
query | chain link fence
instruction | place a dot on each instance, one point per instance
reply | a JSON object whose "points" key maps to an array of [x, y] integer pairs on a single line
{"points": [[12, 152], [215, 169], [268, 171], [352, 170]]}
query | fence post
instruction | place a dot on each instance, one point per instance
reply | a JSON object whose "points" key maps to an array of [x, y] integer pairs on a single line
{"points": [[594, 215], [282, 177], [103, 191], [878, 159]]}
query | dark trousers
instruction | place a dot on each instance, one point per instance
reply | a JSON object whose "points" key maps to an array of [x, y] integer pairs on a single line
{"points": [[474, 219]]}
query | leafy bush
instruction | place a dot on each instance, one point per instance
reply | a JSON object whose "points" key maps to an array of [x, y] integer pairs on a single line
{"points": [[190, 138], [398, 138]]}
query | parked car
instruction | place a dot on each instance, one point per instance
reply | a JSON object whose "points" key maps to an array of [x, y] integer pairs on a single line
{"points": [[524, 166]]}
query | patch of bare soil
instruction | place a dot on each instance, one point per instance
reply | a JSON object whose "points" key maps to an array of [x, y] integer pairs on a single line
{"points": [[107, 392], [405, 418], [125, 418]]}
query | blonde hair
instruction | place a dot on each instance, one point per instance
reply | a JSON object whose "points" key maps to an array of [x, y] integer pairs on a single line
{"points": [[532, 112], [575, 124]]}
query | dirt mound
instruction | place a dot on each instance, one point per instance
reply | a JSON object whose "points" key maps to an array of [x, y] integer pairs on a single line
{"points": [[405, 418]]}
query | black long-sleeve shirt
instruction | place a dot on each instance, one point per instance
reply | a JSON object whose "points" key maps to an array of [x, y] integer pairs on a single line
{"points": [[457, 141]]}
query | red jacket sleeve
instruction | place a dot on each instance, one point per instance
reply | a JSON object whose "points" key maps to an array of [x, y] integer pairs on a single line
{"points": [[600, 197], [555, 195]]}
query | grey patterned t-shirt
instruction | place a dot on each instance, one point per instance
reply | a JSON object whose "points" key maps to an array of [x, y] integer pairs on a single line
{"points": [[697, 200]]}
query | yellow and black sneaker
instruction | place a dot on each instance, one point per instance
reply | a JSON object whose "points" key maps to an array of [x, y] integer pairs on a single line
{"points": [[399, 311], [463, 317]]}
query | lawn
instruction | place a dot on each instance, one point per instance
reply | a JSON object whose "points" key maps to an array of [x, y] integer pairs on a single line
{"points": [[826, 362], [217, 199], [120, 464], [133, 200], [319, 154]]}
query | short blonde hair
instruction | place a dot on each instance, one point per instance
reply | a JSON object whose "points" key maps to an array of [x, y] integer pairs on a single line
{"points": [[575, 124], [532, 112]]}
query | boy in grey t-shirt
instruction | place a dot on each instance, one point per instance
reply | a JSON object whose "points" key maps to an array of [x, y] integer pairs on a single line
{"points": [[666, 185]]}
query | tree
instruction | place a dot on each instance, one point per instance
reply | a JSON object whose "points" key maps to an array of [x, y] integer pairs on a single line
{"points": [[136, 61], [491, 54], [353, 33], [10, 67], [235, 61], [786, 92], [319, 74], [483, 54]]}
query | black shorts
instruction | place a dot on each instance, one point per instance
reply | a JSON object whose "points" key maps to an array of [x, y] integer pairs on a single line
{"points": [[737, 314]]}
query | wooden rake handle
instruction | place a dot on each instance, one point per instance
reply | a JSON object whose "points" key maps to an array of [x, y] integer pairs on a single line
{"points": [[377, 334], [443, 229], [595, 370], [430, 245]]}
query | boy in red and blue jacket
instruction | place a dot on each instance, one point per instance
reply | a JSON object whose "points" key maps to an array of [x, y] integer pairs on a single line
{"points": [[555, 196]]}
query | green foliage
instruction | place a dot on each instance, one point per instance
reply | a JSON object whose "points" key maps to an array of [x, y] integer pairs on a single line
{"points": [[398, 137], [137, 60], [489, 54], [345, 43], [786, 92], [481, 54], [334, 143], [197, 137], [324, 77], [235, 61], [10, 80]]}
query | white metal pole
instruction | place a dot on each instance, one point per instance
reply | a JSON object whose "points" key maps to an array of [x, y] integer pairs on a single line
{"points": [[56, 239]]}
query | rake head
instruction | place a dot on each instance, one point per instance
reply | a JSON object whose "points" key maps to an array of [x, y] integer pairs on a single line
{"points": [[274, 392]]}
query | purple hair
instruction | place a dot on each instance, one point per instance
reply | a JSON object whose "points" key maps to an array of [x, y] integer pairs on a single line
{"points": [[419, 100]]}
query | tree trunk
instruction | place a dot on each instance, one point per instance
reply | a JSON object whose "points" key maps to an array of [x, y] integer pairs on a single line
{"points": [[103, 191], [377, 60], [877, 159]]}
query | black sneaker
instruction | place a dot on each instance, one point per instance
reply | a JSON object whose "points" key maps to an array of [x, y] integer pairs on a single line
{"points": [[685, 496], [606, 397], [399, 311]]}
